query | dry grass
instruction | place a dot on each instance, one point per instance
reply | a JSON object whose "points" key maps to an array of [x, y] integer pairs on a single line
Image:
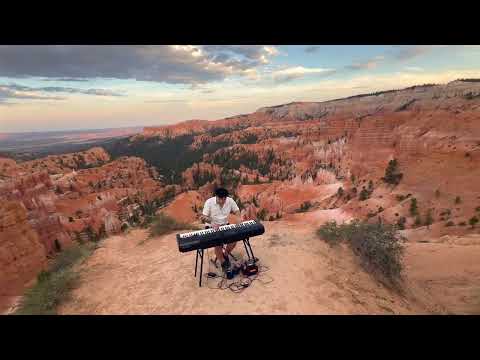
{"points": [[54, 285]]}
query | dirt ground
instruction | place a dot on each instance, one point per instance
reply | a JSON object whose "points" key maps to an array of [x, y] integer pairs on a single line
{"points": [[131, 275]]}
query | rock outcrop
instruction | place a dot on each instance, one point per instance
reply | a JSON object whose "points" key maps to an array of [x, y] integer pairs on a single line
{"points": [[22, 255]]}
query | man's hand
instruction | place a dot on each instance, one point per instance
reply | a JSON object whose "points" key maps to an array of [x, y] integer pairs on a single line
{"points": [[215, 226]]}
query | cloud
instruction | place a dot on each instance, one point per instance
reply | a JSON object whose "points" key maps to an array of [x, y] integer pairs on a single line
{"points": [[413, 68], [176, 64], [166, 101], [8, 93], [407, 52], [61, 89], [370, 64], [292, 73], [64, 79], [312, 49]]}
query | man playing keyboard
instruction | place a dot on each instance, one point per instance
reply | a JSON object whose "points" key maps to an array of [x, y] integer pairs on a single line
{"points": [[215, 214]]}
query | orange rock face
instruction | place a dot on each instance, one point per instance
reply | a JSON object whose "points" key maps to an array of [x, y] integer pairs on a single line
{"points": [[22, 254], [44, 212], [59, 164]]}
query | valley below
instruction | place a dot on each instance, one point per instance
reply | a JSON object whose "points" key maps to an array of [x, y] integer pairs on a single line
{"points": [[407, 158]]}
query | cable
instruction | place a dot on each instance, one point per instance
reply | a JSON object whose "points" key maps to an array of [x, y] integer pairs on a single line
{"points": [[241, 284]]}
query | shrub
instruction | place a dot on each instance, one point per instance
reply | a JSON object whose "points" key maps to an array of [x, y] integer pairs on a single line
{"points": [[418, 221], [473, 221], [477, 208], [463, 223], [413, 207], [380, 209], [330, 232], [400, 197], [340, 192], [450, 223], [364, 195], [163, 224], [458, 200], [305, 206], [392, 176], [378, 246], [437, 193], [262, 214], [54, 285], [429, 218], [401, 223]]}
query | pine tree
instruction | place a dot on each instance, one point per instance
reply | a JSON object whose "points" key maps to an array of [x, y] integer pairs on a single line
{"points": [[413, 207]]}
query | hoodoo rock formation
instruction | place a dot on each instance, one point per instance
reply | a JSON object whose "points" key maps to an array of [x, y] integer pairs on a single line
{"points": [[409, 157]]}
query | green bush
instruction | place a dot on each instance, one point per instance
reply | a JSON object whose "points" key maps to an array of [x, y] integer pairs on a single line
{"points": [[463, 223], [163, 224], [305, 206], [54, 285], [392, 176], [261, 215], [418, 221], [401, 223], [364, 195], [473, 221], [330, 232], [477, 208], [400, 197], [458, 200], [429, 218], [413, 207], [340, 192], [378, 245]]}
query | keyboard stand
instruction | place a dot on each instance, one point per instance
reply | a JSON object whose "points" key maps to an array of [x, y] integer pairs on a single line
{"points": [[199, 253], [246, 242], [248, 250]]}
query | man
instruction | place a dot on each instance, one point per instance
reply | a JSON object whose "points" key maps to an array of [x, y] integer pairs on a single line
{"points": [[215, 214]]}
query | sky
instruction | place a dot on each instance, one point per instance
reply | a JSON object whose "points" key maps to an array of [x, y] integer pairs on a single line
{"points": [[66, 87]]}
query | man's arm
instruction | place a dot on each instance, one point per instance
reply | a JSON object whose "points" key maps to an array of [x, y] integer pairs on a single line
{"points": [[236, 211], [206, 213]]}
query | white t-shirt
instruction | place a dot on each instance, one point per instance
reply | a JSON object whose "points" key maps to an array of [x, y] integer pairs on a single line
{"points": [[219, 215]]}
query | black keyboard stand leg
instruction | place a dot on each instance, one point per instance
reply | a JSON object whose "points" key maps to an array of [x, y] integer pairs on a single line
{"points": [[201, 268], [246, 250], [196, 264], [250, 254]]}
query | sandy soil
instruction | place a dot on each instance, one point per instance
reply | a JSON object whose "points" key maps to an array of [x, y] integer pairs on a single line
{"points": [[126, 276]]}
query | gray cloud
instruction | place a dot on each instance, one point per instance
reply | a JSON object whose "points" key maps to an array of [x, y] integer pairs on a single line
{"points": [[7, 93], [65, 79], [312, 49], [61, 89], [292, 73], [170, 64], [369, 64], [166, 101], [411, 51]]}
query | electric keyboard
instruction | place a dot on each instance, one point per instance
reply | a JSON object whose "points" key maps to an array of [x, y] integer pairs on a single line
{"points": [[203, 239]]}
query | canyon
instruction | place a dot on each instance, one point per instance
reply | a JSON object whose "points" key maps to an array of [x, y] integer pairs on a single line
{"points": [[366, 157]]}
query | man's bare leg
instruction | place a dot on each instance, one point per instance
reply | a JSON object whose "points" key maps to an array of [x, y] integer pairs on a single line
{"points": [[230, 247], [219, 254]]}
